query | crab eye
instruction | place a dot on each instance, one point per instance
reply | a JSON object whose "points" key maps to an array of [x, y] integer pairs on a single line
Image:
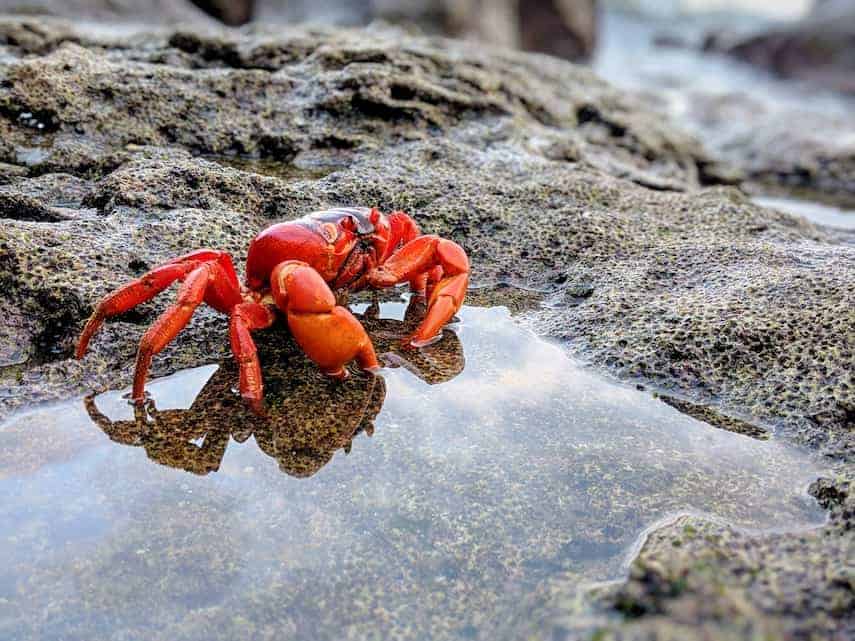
{"points": [[329, 232]]}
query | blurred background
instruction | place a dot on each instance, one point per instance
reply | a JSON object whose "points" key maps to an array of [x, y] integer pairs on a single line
{"points": [[811, 40], [767, 85], [804, 37]]}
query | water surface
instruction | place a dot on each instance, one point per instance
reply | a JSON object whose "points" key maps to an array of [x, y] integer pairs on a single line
{"points": [[495, 464], [813, 211]]}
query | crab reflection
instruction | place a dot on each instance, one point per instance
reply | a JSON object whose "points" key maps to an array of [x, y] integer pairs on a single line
{"points": [[308, 417]]}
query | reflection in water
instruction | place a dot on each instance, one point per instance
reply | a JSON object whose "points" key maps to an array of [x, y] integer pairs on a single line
{"points": [[521, 476], [308, 417]]}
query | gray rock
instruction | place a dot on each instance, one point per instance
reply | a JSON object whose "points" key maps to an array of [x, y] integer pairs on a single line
{"points": [[757, 134], [800, 150], [122, 153], [564, 28], [818, 49], [150, 12], [777, 135]]}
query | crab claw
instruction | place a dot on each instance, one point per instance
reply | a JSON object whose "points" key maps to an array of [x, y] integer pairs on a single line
{"points": [[445, 263], [328, 334]]}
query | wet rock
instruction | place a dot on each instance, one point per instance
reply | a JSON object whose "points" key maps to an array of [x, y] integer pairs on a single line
{"points": [[694, 579], [712, 416], [552, 180]]}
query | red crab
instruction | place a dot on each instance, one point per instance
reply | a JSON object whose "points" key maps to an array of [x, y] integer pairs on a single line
{"points": [[295, 268]]}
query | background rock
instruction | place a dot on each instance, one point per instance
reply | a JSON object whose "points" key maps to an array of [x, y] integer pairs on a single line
{"points": [[815, 161], [781, 136], [230, 12], [565, 28], [819, 49], [150, 11]]}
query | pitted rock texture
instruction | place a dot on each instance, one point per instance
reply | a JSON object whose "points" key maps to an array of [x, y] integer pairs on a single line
{"points": [[117, 154]]}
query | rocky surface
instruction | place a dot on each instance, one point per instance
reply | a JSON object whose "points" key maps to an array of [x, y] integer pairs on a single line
{"points": [[119, 153], [108, 11], [695, 579], [564, 28]]}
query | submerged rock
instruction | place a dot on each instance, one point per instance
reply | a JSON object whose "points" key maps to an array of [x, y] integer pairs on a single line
{"points": [[117, 154], [695, 579]]}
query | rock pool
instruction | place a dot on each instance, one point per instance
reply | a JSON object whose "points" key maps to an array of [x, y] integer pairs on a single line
{"points": [[495, 464]]}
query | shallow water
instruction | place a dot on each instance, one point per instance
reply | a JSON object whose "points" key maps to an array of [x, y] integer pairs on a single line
{"points": [[512, 466], [813, 211]]}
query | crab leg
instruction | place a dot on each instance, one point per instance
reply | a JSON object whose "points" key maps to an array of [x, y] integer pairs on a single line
{"points": [[443, 261], [328, 334], [225, 294], [245, 318], [208, 276], [169, 323], [128, 297]]}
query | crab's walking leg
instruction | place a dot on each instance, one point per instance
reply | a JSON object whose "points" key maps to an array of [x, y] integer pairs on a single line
{"points": [[208, 276], [146, 287], [169, 323], [128, 297], [445, 262], [245, 318], [328, 334]]}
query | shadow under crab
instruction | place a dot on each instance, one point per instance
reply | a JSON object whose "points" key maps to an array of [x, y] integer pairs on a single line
{"points": [[308, 416]]}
